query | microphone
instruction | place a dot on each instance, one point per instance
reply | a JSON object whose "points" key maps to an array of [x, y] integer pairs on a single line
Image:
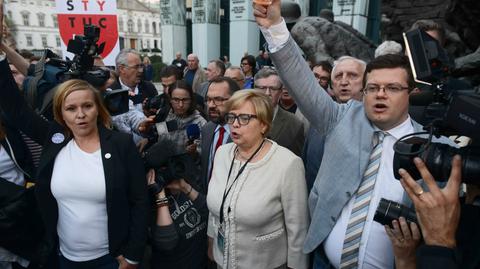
{"points": [[193, 133]]}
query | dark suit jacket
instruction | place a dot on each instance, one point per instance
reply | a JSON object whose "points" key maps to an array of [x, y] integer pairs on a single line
{"points": [[287, 130], [208, 133], [146, 89], [126, 192]]}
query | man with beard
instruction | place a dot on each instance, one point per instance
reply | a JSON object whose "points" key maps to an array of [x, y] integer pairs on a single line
{"points": [[216, 132]]}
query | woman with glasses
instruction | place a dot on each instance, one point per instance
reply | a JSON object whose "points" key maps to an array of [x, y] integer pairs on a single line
{"points": [[257, 195], [248, 65], [183, 113]]}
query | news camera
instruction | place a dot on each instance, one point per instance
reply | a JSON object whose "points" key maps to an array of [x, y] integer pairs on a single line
{"points": [[451, 112], [51, 70]]}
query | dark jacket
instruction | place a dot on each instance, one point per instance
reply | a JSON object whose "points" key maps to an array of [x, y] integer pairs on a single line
{"points": [[146, 89], [126, 192]]}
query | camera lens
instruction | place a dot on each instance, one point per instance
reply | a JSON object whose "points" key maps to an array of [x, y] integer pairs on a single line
{"points": [[387, 211]]}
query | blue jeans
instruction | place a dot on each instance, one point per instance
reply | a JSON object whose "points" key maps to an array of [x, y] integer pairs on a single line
{"points": [[104, 262]]}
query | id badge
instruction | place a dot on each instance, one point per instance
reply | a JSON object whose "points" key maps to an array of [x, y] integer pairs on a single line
{"points": [[221, 239]]}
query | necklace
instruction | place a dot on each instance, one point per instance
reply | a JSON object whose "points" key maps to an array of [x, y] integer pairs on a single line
{"points": [[252, 157]]}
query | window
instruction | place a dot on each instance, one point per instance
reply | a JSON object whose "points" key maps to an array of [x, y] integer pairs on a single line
{"points": [[41, 19], [55, 21], [29, 40], [130, 26], [155, 44], [44, 41], [57, 40], [120, 24], [147, 26], [26, 18], [148, 44], [154, 27], [139, 24], [9, 14]]}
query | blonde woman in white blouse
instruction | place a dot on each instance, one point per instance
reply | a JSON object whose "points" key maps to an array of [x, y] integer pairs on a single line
{"points": [[257, 195]]}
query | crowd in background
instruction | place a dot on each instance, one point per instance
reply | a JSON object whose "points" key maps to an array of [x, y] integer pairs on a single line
{"points": [[274, 163]]}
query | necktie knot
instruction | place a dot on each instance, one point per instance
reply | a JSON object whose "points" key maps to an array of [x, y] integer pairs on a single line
{"points": [[379, 136]]}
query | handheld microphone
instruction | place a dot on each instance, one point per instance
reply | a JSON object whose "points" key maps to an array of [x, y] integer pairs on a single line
{"points": [[193, 133]]}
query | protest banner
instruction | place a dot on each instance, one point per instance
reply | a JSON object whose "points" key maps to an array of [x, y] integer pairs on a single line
{"points": [[74, 14]]}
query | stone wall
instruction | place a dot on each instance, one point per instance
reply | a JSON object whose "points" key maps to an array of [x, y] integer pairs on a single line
{"points": [[460, 18]]}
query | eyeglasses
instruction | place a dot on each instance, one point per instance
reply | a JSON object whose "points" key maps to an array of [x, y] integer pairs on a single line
{"points": [[217, 100], [243, 119], [271, 88], [137, 66], [322, 78], [181, 100], [393, 88]]}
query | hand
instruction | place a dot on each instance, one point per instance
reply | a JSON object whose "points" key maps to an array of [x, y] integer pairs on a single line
{"points": [[179, 185], [145, 125], [267, 16], [141, 144], [150, 176], [438, 210], [192, 148], [210, 249], [405, 239], [123, 264]]}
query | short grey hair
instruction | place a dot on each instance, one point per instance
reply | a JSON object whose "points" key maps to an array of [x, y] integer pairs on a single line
{"points": [[233, 67], [344, 58], [121, 58], [266, 72], [388, 47]]}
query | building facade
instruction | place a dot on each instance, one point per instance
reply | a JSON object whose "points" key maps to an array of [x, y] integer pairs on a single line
{"points": [[34, 26]]}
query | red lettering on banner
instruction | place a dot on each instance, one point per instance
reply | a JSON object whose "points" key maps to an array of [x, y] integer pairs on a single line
{"points": [[85, 5], [73, 25], [100, 4]]}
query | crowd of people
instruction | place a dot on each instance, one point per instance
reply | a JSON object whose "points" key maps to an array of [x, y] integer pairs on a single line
{"points": [[270, 164]]}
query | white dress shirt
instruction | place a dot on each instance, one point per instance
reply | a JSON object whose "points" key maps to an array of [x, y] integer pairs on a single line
{"points": [[375, 247], [226, 135]]}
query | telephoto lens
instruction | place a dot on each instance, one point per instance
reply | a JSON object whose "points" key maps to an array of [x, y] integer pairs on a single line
{"points": [[387, 211]]}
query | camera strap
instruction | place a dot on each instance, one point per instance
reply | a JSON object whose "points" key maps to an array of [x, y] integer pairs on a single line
{"points": [[227, 191]]}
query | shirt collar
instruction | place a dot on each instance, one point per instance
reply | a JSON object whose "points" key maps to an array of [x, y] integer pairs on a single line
{"points": [[125, 87], [226, 127], [406, 127]]}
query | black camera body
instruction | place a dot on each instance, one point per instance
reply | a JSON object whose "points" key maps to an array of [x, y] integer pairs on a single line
{"points": [[451, 113]]}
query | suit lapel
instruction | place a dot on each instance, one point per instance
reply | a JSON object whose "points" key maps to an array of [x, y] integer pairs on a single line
{"points": [[108, 159], [277, 124]]}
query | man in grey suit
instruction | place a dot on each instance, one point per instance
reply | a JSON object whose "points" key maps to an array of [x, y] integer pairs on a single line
{"points": [[359, 140], [287, 130], [216, 132]]}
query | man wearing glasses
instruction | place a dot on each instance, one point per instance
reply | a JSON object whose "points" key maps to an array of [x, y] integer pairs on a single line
{"points": [[130, 76], [287, 130], [356, 170], [216, 132]]}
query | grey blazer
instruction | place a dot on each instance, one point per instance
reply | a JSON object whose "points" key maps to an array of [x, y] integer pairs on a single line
{"points": [[288, 131], [208, 133], [348, 142]]}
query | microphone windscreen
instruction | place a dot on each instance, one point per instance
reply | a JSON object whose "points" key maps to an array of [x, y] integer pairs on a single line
{"points": [[193, 131], [159, 153]]}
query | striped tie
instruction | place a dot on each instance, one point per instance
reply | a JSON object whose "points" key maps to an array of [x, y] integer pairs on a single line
{"points": [[358, 216]]}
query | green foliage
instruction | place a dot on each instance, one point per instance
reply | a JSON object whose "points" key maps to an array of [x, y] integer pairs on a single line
{"points": [[157, 66]]}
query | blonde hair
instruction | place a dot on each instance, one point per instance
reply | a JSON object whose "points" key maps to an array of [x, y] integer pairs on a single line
{"points": [[260, 101], [72, 85]]}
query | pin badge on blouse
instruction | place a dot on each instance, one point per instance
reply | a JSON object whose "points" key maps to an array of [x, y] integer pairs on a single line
{"points": [[108, 155], [58, 138]]}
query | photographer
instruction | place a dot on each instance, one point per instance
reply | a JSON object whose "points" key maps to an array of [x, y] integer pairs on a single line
{"points": [[179, 233], [449, 228]]}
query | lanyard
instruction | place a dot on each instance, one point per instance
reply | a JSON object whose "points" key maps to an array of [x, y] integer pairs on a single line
{"points": [[226, 192]]}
